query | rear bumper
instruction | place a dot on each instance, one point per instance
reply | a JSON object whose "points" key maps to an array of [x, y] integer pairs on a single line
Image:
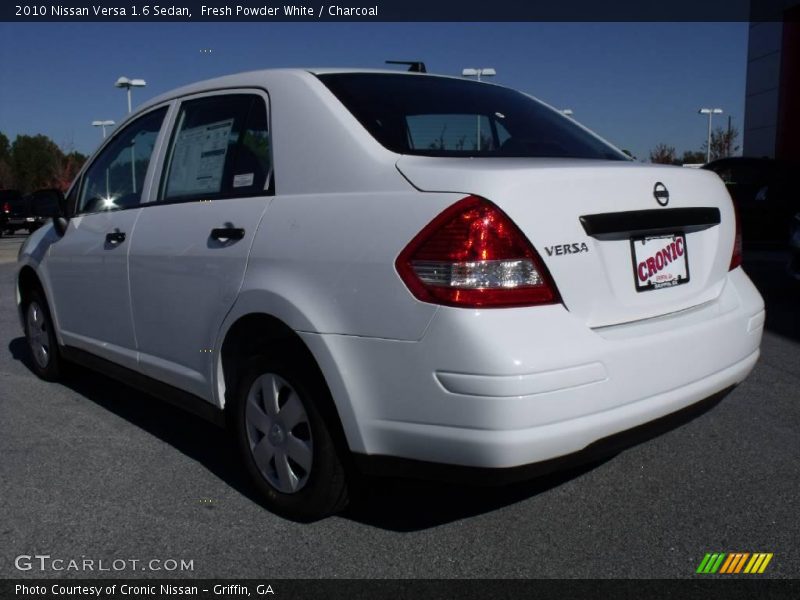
{"points": [[511, 387]]}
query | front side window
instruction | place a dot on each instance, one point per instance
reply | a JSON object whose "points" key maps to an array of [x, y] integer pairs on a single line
{"points": [[116, 177], [442, 116], [220, 148]]}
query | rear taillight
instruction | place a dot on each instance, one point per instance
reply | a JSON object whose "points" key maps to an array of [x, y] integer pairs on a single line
{"points": [[736, 256], [6, 208], [472, 255]]}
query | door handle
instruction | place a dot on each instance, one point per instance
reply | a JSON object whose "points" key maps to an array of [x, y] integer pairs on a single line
{"points": [[115, 237], [223, 234]]}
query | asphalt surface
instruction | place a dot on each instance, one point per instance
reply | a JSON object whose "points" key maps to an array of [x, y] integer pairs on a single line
{"points": [[94, 470]]}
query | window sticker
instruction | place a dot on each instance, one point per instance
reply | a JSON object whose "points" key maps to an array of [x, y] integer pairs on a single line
{"points": [[243, 180], [199, 159]]}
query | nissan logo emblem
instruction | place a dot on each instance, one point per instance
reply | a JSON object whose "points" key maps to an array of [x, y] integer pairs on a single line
{"points": [[661, 194]]}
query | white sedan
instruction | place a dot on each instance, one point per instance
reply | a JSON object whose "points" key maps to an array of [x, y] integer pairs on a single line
{"points": [[389, 272]]}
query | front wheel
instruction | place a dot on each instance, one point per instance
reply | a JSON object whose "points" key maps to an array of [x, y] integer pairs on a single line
{"points": [[285, 441], [41, 338]]}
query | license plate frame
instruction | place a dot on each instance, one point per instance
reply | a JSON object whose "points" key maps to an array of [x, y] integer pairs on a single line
{"points": [[670, 261]]}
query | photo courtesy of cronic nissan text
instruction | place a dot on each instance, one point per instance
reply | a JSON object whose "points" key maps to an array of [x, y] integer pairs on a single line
{"points": [[447, 300]]}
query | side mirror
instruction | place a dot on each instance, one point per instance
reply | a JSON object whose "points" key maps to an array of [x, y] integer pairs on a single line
{"points": [[50, 203]]}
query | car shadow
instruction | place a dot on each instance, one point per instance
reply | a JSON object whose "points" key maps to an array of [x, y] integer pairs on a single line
{"points": [[407, 505], [191, 435], [780, 291]]}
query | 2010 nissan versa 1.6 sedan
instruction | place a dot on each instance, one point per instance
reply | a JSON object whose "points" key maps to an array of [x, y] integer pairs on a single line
{"points": [[360, 269]]}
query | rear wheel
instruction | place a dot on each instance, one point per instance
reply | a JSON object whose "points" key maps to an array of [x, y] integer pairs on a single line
{"points": [[41, 337], [284, 440]]}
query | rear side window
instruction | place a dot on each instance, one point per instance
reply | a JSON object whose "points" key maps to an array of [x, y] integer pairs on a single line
{"points": [[220, 148], [441, 116]]}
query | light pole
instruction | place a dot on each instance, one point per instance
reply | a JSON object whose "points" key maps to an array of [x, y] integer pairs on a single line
{"points": [[567, 112], [103, 124], [486, 72], [124, 82], [710, 112]]}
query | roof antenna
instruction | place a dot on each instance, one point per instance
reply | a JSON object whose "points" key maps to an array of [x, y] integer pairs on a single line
{"points": [[414, 66]]}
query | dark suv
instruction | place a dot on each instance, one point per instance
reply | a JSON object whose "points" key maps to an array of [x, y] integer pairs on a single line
{"points": [[17, 214]]}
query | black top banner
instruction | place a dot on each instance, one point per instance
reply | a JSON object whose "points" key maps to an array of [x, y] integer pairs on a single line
{"points": [[394, 10]]}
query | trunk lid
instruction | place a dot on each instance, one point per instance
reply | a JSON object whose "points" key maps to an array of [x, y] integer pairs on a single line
{"points": [[581, 216]]}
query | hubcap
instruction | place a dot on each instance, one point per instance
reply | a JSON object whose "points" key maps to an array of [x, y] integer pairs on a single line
{"points": [[37, 335], [279, 433]]}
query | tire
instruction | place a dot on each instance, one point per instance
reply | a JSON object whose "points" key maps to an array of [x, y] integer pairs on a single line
{"points": [[283, 438], [40, 334]]}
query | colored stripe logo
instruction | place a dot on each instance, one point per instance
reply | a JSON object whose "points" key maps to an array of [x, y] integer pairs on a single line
{"points": [[732, 563]]}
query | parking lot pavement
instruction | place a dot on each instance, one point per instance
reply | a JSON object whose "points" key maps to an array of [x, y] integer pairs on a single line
{"points": [[9, 246], [96, 470]]}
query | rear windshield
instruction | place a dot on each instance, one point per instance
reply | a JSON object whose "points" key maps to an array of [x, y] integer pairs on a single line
{"points": [[438, 116]]}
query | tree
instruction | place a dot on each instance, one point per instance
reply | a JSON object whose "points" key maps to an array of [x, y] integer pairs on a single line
{"points": [[723, 143], [36, 162], [67, 170], [6, 172], [663, 154], [693, 157]]}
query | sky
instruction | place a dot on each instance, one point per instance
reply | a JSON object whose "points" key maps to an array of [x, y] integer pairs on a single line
{"points": [[635, 84]]}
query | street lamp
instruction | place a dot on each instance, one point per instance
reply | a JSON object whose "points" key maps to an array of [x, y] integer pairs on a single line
{"points": [[103, 124], [485, 72], [710, 112], [567, 112], [124, 82]]}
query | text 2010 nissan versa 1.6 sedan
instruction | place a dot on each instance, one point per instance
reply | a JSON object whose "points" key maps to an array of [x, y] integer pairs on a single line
{"points": [[363, 268]]}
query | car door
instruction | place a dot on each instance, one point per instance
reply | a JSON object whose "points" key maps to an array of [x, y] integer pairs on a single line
{"points": [[188, 257], [88, 267]]}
